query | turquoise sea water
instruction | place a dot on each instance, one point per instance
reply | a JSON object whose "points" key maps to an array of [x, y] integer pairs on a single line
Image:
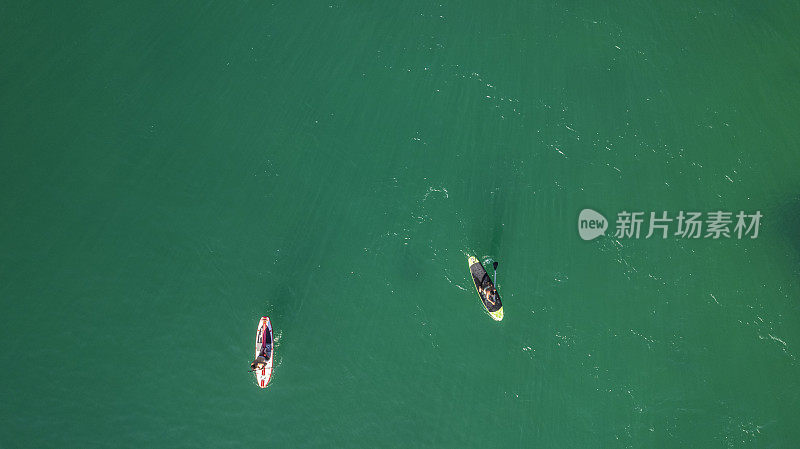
{"points": [[172, 171]]}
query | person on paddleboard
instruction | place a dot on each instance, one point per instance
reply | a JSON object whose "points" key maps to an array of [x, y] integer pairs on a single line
{"points": [[263, 357], [490, 294]]}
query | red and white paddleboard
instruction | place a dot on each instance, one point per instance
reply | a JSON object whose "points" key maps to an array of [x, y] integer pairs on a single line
{"points": [[264, 338]]}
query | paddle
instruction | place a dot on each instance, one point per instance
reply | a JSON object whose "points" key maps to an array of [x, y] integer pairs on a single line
{"points": [[495, 272]]}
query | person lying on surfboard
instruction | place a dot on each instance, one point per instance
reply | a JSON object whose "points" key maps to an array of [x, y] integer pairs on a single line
{"points": [[263, 357]]}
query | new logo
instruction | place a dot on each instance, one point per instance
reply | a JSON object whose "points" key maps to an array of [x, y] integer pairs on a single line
{"points": [[591, 224]]}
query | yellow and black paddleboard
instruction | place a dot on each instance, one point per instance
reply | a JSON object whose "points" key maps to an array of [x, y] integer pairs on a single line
{"points": [[481, 279]]}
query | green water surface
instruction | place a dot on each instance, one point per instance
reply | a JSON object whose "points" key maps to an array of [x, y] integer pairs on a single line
{"points": [[172, 171]]}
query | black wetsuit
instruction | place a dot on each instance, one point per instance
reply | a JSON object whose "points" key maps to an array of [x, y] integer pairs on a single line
{"points": [[482, 280], [265, 353]]}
